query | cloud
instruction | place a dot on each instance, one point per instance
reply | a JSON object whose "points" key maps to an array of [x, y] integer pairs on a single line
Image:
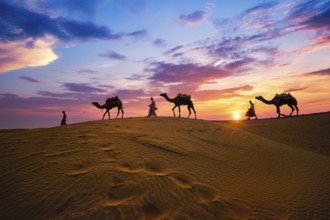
{"points": [[321, 20], [296, 89], [137, 77], [159, 42], [15, 55], [261, 8], [88, 71], [129, 93], [173, 73], [82, 88], [137, 34], [195, 17], [134, 6], [113, 55], [322, 72], [18, 23], [207, 95], [13, 102], [29, 79], [239, 64], [174, 49], [87, 7]]}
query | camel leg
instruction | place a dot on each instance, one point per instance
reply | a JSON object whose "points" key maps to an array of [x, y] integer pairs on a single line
{"points": [[279, 112], [104, 114], [122, 113], [173, 110], [179, 111], [109, 113], [118, 112], [292, 109], [194, 111], [297, 109], [189, 111]]}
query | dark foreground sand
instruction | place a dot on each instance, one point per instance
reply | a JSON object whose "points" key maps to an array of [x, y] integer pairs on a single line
{"points": [[168, 168]]}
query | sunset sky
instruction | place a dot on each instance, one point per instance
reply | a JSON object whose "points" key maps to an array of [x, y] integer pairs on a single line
{"points": [[60, 55]]}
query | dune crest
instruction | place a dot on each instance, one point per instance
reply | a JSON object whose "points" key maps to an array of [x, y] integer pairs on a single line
{"points": [[168, 168]]}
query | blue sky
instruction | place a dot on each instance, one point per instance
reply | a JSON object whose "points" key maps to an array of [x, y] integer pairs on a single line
{"points": [[64, 54]]}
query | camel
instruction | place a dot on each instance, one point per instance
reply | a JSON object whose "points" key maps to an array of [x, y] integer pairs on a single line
{"points": [[179, 100], [109, 104], [279, 100]]}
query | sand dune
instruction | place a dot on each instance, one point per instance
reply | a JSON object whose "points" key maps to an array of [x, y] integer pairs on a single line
{"points": [[168, 168]]}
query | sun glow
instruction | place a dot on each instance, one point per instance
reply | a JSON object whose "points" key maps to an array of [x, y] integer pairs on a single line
{"points": [[236, 116]]}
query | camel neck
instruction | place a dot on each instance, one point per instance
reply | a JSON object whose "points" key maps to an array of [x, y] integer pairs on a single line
{"points": [[268, 102], [168, 99]]}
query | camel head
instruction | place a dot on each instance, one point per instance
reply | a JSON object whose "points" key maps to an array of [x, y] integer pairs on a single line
{"points": [[163, 94], [97, 105], [258, 97]]}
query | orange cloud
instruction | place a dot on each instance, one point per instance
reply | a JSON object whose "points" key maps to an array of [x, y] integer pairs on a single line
{"points": [[21, 54]]}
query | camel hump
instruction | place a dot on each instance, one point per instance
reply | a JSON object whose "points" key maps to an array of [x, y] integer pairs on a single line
{"points": [[113, 100], [284, 96], [184, 96]]}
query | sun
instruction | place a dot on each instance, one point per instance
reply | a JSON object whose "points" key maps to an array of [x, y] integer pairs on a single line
{"points": [[236, 116]]}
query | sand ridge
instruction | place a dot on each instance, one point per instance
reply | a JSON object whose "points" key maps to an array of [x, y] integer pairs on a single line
{"points": [[166, 168]]}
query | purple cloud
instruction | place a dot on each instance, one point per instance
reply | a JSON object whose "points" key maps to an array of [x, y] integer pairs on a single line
{"points": [[29, 79], [129, 93], [169, 72], [174, 49], [295, 89], [113, 55], [138, 34], [239, 64], [137, 77], [82, 88], [321, 20], [193, 18], [88, 7], [89, 71], [36, 25], [323, 72], [260, 8], [159, 42]]}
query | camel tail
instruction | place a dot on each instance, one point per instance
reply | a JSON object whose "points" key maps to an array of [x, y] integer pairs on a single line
{"points": [[97, 105]]}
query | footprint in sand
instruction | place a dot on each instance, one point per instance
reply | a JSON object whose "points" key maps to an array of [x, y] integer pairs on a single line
{"points": [[117, 182], [127, 168], [182, 180], [150, 212], [205, 193], [80, 169], [154, 169], [105, 146], [115, 200], [109, 152], [119, 194]]}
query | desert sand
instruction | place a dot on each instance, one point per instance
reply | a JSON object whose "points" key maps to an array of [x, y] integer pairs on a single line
{"points": [[168, 168]]}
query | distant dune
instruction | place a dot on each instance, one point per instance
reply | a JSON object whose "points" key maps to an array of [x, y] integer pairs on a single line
{"points": [[168, 168]]}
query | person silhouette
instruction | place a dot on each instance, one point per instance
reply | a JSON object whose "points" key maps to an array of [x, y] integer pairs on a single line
{"points": [[63, 122], [251, 111], [152, 108]]}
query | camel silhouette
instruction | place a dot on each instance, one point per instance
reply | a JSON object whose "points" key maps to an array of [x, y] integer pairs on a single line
{"points": [[279, 100], [181, 99], [109, 104]]}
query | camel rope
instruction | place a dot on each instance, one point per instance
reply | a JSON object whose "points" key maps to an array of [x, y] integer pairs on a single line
{"points": [[80, 114]]}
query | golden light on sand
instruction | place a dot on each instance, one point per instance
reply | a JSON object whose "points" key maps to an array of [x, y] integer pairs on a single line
{"points": [[236, 116], [146, 168]]}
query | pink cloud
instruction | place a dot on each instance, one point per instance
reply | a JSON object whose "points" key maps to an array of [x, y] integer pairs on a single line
{"points": [[16, 55]]}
